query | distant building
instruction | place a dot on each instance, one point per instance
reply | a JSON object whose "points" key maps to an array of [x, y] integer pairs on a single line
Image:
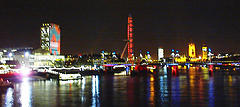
{"points": [[15, 57], [103, 58], [27, 57], [9, 54], [204, 53], [173, 53], [160, 53], [50, 38], [192, 50], [148, 57], [45, 60]]}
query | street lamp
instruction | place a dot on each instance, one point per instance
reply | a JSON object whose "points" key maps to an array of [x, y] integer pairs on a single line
{"points": [[10, 54], [26, 54]]}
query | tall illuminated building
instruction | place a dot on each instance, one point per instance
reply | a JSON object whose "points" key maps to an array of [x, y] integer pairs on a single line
{"points": [[192, 50], [45, 34], [204, 53], [160, 53], [130, 39], [50, 38]]}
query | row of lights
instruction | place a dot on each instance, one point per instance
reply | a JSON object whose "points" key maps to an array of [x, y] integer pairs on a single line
{"points": [[26, 54]]}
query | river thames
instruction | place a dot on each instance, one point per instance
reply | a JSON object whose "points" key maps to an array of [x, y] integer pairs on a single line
{"points": [[185, 87]]}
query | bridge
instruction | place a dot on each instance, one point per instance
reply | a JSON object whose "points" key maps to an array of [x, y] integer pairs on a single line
{"points": [[77, 72]]}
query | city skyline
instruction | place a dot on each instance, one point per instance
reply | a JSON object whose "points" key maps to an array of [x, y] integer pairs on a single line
{"points": [[89, 27], [124, 53]]}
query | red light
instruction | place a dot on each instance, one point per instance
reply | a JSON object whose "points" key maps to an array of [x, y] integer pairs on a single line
{"points": [[130, 39], [211, 68]]}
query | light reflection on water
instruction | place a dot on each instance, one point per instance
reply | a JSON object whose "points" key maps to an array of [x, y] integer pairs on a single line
{"points": [[211, 92], [9, 98], [95, 92], [195, 86], [25, 91]]}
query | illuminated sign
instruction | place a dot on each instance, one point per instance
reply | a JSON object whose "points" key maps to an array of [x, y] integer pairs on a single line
{"points": [[54, 39]]}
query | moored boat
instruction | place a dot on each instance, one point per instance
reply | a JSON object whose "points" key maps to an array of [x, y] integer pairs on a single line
{"points": [[5, 83]]}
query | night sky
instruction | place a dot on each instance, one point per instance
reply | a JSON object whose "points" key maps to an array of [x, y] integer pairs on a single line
{"points": [[89, 26]]}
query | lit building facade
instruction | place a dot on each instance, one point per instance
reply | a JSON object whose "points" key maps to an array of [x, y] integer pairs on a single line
{"points": [[191, 50], [204, 53], [50, 38], [27, 57], [44, 60], [15, 54], [45, 36], [160, 53]]}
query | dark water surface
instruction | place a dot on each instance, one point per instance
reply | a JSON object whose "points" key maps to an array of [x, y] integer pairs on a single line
{"points": [[192, 87]]}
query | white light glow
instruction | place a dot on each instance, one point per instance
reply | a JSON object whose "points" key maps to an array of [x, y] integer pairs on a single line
{"points": [[25, 71], [9, 98], [95, 91], [25, 98], [26, 54], [160, 53], [10, 54]]}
